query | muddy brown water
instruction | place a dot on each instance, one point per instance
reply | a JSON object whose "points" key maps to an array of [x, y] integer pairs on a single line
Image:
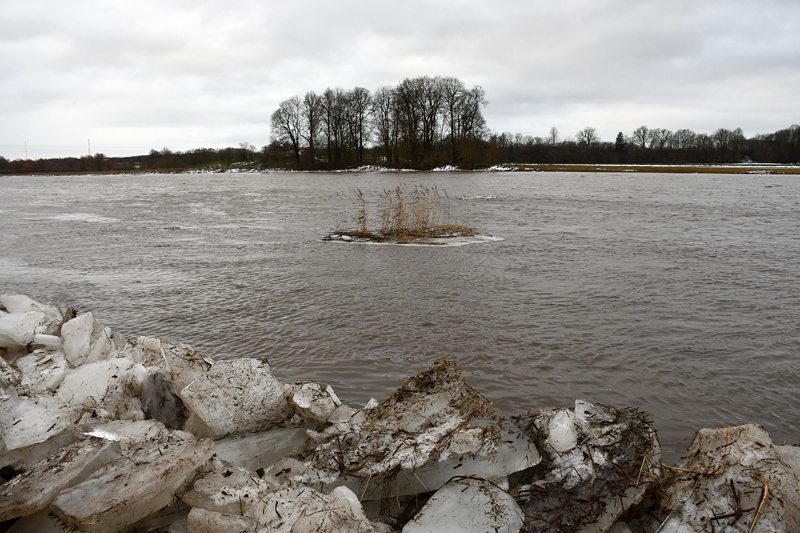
{"points": [[678, 294]]}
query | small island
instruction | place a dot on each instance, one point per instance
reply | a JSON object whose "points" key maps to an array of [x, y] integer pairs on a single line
{"points": [[418, 215]]}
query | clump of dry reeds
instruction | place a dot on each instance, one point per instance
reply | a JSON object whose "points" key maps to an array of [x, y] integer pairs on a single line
{"points": [[406, 212]]}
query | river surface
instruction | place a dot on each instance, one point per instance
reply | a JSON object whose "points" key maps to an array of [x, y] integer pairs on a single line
{"points": [[678, 294]]}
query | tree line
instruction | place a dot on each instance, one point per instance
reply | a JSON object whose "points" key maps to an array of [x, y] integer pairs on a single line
{"points": [[423, 123], [651, 146], [419, 123]]}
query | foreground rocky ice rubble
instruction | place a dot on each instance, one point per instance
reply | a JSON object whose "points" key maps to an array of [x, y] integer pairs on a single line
{"points": [[105, 434]]}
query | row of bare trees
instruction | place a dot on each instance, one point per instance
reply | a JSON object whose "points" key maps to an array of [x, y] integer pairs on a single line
{"points": [[650, 145], [419, 122]]}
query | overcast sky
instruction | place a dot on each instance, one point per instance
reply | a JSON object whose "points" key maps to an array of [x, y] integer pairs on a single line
{"points": [[131, 75]]}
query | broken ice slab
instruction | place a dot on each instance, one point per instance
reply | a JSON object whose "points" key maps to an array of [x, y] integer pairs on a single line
{"points": [[607, 462], [88, 384], [304, 510], [162, 520], [42, 371], [19, 303], [311, 401], [19, 329], [183, 364], [237, 395], [735, 473], [26, 457], [35, 489], [433, 428], [468, 505], [122, 400], [259, 450], [86, 341], [77, 334], [790, 455], [52, 342], [563, 435], [228, 491], [126, 491], [203, 521], [30, 421]]}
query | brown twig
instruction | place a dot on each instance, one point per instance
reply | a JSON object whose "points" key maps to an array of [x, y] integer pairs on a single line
{"points": [[760, 504]]}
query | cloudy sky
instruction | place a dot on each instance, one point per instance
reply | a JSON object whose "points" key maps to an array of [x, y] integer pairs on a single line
{"points": [[131, 75]]}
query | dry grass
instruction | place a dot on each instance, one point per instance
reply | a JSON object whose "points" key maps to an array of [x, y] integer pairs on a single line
{"points": [[405, 213]]}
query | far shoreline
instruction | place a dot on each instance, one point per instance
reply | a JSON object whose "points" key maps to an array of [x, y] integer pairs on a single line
{"points": [[749, 168]]}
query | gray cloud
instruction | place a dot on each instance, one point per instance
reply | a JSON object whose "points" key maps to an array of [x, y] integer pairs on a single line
{"points": [[133, 75]]}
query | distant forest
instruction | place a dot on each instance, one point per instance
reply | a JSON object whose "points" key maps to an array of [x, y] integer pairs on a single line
{"points": [[429, 122]]}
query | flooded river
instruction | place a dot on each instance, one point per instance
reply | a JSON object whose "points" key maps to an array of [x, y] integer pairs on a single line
{"points": [[678, 294]]}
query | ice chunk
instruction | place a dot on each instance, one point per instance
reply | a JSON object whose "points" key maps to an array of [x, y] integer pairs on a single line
{"points": [[88, 383], [311, 401], [53, 342], [26, 457], [468, 505], [344, 513], [433, 428], [259, 450], [185, 365], [304, 510], [86, 341], [35, 489], [122, 398], [563, 436], [126, 491], [230, 491], [42, 371], [19, 329], [26, 422], [237, 395], [162, 520], [9, 376], [790, 455], [77, 335], [202, 521], [726, 471], [587, 486], [19, 303]]}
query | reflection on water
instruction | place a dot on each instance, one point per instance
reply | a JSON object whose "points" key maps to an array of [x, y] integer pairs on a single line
{"points": [[678, 294]]}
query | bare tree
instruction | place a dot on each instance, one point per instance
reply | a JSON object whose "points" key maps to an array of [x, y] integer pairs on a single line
{"points": [[287, 124], [641, 136], [552, 138], [588, 136], [659, 137], [311, 111], [359, 107], [683, 139]]}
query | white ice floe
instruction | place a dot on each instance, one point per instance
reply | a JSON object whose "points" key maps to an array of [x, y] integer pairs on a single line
{"points": [[126, 491], [30, 421], [237, 395], [468, 506]]}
